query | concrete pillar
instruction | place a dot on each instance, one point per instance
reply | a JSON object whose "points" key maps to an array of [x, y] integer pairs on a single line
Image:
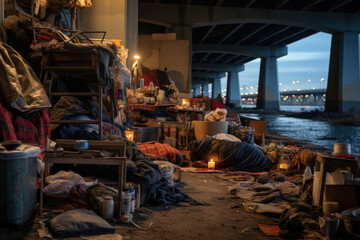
{"points": [[268, 93], [185, 33], [131, 30], [233, 88], [205, 88], [216, 88], [343, 90], [198, 90], [2, 12], [119, 18], [182, 32]]}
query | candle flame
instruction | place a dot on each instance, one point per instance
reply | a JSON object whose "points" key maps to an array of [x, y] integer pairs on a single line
{"points": [[211, 160]]}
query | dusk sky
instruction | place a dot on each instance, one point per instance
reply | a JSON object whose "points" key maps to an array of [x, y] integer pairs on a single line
{"points": [[306, 59]]}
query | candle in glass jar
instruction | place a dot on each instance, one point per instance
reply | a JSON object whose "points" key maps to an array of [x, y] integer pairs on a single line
{"points": [[211, 164]]}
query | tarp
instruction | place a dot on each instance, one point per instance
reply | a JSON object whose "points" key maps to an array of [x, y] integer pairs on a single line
{"points": [[19, 85], [230, 155]]}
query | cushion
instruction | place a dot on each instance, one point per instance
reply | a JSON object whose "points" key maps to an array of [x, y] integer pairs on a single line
{"points": [[79, 222]]}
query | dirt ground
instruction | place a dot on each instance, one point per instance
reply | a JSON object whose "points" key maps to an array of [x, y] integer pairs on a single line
{"points": [[222, 217]]}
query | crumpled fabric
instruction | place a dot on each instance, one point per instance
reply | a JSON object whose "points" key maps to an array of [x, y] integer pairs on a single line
{"points": [[141, 169], [19, 85], [297, 217], [217, 115]]}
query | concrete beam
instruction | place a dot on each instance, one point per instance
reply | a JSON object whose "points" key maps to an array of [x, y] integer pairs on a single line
{"points": [[252, 51], [207, 75], [220, 67], [174, 14], [201, 81]]}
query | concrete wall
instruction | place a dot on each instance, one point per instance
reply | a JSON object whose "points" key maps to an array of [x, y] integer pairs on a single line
{"points": [[174, 55], [171, 54], [105, 15]]}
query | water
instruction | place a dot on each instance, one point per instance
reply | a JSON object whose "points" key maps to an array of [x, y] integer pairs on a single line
{"points": [[290, 108], [316, 132]]}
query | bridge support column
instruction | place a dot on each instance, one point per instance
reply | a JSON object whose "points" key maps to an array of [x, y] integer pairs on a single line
{"points": [[216, 88], [268, 92], [205, 89], [185, 33], [233, 88], [343, 87]]}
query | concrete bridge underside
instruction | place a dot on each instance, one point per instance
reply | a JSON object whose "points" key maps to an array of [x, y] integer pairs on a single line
{"points": [[344, 76]]}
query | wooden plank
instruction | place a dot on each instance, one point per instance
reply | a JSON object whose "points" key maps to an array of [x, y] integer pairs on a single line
{"points": [[73, 94], [86, 160], [118, 146], [74, 121]]}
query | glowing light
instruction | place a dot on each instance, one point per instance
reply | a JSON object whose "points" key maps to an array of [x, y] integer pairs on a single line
{"points": [[137, 57]]}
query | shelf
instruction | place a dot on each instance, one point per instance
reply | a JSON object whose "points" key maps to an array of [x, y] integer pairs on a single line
{"points": [[74, 94]]}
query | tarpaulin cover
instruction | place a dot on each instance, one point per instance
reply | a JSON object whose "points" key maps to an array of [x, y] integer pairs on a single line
{"points": [[19, 85], [230, 155]]}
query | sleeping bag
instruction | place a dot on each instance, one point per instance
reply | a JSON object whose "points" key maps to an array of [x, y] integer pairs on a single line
{"points": [[234, 156]]}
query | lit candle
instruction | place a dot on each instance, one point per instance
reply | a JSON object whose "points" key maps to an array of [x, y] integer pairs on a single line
{"points": [[130, 135], [211, 164]]}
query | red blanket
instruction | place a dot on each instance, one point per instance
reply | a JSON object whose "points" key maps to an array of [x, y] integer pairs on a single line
{"points": [[32, 128], [155, 149]]}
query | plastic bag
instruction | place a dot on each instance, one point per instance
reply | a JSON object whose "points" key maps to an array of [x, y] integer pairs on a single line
{"points": [[58, 188], [63, 175], [220, 114], [307, 174]]}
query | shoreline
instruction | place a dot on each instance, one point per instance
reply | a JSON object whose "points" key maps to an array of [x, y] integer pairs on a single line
{"points": [[270, 136], [345, 119]]}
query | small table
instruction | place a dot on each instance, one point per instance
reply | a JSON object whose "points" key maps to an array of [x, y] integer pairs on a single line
{"points": [[185, 111], [325, 163], [72, 158]]}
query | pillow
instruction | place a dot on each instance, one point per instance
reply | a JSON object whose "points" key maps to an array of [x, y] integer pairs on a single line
{"points": [[79, 222]]}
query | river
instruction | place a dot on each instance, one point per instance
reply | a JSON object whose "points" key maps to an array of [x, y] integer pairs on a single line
{"points": [[316, 132]]}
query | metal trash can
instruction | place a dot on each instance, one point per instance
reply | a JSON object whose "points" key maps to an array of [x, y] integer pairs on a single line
{"points": [[18, 166]]}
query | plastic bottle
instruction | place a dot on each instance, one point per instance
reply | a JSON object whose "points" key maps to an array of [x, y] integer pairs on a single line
{"points": [[126, 202], [151, 86], [107, 209], [307, 173]]}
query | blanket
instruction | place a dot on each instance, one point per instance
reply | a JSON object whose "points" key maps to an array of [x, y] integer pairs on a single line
{"points": [[30, 128], [155, 149]]}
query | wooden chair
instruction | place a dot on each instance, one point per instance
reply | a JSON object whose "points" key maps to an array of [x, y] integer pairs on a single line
{"points": [[259, 127]]}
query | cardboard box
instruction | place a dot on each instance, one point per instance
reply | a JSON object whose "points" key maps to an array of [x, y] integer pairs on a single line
{"points": [[347, 196]]}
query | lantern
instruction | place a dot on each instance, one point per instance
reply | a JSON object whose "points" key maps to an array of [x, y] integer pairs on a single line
{"points": [[284, 163], [130, 135]]}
